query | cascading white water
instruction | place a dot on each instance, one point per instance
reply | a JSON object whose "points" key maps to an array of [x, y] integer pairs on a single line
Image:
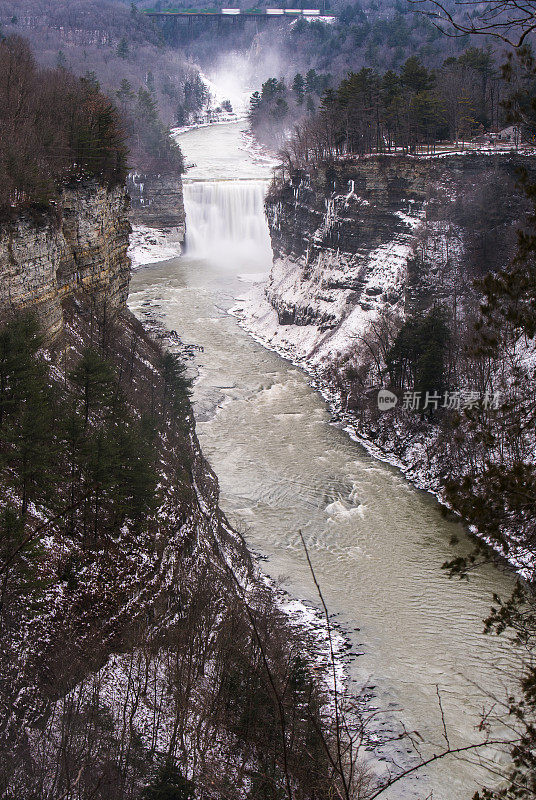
{"points": [[225, 221]]}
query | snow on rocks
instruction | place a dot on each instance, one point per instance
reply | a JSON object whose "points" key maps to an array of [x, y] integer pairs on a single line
{"points": [[151, 245]]}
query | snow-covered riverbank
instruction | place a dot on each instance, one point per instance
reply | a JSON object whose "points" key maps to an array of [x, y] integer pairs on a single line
{"points": [[407, 451]]}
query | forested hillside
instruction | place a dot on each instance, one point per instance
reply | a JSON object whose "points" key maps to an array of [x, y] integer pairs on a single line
{"points": [[117, 50], [54, 129], [369, 111], [148, 65], [378, 35], [404, 280]]}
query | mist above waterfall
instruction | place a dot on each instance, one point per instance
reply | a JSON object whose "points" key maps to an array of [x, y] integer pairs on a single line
{"points": [[235, 75], [231, 79]]}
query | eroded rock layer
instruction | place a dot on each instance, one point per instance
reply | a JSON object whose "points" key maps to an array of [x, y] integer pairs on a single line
{"points": [[80, 247]]}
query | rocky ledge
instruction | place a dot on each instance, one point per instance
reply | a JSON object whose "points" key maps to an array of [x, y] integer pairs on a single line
{"points": [[157, 202]]}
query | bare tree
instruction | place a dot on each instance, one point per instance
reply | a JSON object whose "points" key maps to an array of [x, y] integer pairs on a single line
{"points": [[508, 20]]}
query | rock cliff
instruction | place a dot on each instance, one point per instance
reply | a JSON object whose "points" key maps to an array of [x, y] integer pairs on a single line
{"points": [[81, 247], [366, 250], [157, 201], [132, 636], [343, 238]]}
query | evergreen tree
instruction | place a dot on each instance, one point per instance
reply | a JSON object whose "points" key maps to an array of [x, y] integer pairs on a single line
{"points": [[177, 386], [61, 61], [418, 355], [415, 77], [298, 87], [149, 80], [280, 109], [20, 581], [125, 94], [254, 108], [96, 381], [310, 81], [170, 784], [123, 48]]}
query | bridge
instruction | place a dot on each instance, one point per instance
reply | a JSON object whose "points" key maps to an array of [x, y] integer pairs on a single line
{"points": [[255, 13]]}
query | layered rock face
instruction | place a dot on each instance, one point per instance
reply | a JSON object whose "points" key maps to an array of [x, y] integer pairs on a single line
{"points": [[343, 238], [157, 201], [82, 247]]}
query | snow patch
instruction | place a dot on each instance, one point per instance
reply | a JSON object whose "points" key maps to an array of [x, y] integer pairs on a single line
{"points": [[151, 245]]}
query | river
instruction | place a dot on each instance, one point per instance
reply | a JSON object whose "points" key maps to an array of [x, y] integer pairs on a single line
{"points": [[376, 542]]}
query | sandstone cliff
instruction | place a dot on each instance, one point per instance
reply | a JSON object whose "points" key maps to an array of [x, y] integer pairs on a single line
{"points": [[81, 247]]}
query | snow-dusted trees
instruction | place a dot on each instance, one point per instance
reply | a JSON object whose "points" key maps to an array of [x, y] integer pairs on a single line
{"points": [[414, 108]]}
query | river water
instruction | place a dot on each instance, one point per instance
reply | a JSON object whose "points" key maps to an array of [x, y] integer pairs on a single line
{"points": [[376, 542]]}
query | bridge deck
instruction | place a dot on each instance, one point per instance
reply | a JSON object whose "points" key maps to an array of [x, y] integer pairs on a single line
{"points": [[257, 13]]}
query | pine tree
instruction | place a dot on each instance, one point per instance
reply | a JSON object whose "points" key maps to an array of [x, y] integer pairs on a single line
{"points": [[417, 358], [170, 784], [254, 108], [123, 48], [96, 381], [298, 87], [177, 386], [125, 94], [310, 81]]}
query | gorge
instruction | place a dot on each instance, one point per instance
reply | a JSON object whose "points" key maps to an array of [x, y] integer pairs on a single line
{"points": [[376, 543], [146, 627], [364, 244], [267, 405]]}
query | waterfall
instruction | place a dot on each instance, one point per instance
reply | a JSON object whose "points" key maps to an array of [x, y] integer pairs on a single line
{"points": [[226, 224]]}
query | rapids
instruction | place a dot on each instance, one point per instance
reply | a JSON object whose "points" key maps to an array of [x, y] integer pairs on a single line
{"points": [[376, 542]]}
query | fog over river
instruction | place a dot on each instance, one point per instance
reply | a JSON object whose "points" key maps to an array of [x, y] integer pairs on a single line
{"points": [[376, 542]]}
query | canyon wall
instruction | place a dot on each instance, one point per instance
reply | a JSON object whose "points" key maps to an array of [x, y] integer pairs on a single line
{"points": [[80, 247], [157, 202], [135, 624], [366, 254], [344, 238]]}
